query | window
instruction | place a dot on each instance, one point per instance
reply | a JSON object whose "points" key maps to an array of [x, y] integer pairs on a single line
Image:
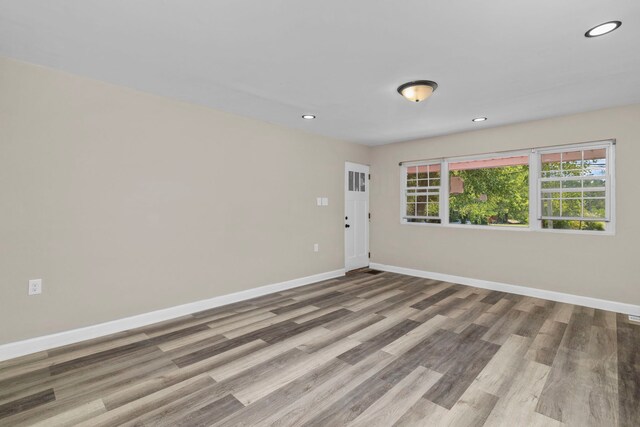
{"points": [[560, 188], [357, 181], [574, 188], [422, 193], [492, 191]]}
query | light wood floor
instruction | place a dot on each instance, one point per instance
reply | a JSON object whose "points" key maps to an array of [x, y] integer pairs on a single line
{"points": [[363, 350]]}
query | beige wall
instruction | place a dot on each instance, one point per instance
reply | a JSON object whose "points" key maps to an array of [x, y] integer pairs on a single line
{"points": [[124, 202], [603, 267]]}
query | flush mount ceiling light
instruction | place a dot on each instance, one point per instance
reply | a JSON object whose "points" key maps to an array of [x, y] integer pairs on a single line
{"points": [[479, 119], [417, 91], [308, 116], [602, 29]]}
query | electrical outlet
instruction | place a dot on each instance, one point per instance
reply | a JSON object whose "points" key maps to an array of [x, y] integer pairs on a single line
{"points": [[316, 247], [35, 286], [634, 318]]}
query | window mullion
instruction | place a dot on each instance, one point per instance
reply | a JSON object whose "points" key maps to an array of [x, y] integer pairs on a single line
{"points": [[444, 192], [535, 191], [607, 197]]}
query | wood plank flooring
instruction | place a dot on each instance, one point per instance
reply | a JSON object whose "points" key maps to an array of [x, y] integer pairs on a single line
{"points": [[362, 350]]}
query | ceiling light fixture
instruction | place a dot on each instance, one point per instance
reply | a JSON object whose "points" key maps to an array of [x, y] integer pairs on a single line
{"points": [[602, 29], [417, 91], [479, 119], [308, 116]]}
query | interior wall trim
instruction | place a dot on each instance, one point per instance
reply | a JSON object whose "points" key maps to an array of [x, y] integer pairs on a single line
{"points": [[34, 345], [618, 307]]}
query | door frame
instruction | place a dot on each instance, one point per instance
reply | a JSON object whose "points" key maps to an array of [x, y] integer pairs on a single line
{"points": [[347, 165]]}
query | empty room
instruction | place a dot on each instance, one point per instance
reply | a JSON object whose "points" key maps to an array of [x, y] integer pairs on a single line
{"points": [[336, 213]]}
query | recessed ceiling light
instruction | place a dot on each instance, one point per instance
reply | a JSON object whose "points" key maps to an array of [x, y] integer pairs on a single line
{"points": [[479, 119], [602, 29], [308, 116], [417, 91]]}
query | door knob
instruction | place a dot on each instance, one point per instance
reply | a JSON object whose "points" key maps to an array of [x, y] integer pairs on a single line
{"points": [[347, 226]]}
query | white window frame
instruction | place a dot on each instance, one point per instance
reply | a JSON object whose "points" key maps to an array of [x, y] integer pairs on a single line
{"points": [[534, 155], [403, 191], [609, 146]]}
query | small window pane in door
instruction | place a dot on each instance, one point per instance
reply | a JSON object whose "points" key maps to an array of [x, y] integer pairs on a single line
{"points": [[356, 186], [351, 180], [362, 182]]}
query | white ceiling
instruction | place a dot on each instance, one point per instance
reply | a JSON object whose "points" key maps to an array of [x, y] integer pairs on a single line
{"points": [[342, 60]]}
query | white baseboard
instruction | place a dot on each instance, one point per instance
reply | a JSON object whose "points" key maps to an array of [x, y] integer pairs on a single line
{"points": [[618, 307], [34, 345]]}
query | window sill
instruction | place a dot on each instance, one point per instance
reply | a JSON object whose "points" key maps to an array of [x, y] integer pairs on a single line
{"points": [[516, 229], [471, 227], [579, 232]]}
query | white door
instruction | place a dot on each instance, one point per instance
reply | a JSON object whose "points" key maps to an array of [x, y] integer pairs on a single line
{"points": [[356, 216]]}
